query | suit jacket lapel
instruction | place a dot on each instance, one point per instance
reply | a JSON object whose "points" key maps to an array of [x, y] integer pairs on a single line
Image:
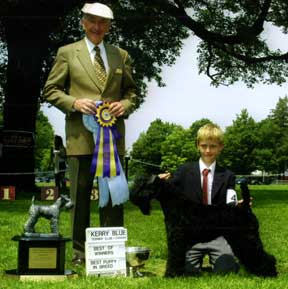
{"points": [[217, 181], [196, 184], [85, 60], [112, 57]]}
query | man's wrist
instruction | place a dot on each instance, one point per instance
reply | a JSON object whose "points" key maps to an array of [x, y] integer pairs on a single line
{"points": [[73, 109]]}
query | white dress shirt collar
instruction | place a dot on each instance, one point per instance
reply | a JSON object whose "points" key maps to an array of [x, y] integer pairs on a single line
{"points": [[91, 51], [203, 166]]}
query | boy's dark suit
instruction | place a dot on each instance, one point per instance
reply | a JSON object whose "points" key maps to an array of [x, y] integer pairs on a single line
{"points": [[187, 181]]}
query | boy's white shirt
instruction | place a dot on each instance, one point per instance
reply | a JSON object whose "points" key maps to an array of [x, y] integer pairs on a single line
{"points": [[203, 166], [231, 195]]}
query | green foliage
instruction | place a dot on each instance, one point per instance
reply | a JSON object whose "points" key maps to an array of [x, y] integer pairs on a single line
{"points": [[234, 50], [248, 146], [279, 119], [195, 127], [177, 149], [147, 149], [164, 147], [240, 142], [279, 115], [265, 153], [43, 143]]}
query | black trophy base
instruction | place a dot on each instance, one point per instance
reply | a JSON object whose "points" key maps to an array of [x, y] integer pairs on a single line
{"points": [[41, 255]]}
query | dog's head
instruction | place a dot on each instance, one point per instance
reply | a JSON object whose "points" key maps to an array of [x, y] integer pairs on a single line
{"points": [[142, 192]]}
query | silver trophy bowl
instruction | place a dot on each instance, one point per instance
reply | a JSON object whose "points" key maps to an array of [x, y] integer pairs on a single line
{"points": [[135, 259]]}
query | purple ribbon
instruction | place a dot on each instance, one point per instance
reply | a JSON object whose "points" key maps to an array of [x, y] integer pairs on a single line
{"points": [[106, 151]]}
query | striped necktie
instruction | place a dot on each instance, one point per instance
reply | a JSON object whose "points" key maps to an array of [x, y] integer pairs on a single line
{"points": [[100, 68], [205, 173]]}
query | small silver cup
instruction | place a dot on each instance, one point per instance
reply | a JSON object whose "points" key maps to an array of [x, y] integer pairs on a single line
{"points": [[135, 259]]}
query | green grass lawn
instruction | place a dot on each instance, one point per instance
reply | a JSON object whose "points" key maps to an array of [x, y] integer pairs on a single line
{"points": [[270, 204]]}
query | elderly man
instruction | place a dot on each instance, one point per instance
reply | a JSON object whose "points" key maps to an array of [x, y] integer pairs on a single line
{"points": [[85, 72]]}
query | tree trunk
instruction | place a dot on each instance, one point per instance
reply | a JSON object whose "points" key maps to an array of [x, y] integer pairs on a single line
{"points": [[26, 42]]}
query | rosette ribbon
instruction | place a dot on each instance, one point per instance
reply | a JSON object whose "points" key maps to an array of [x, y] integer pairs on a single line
{"points": [[106, 165]]}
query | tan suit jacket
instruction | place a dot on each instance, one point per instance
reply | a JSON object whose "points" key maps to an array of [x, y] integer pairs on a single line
{"points": [[73, 76]]}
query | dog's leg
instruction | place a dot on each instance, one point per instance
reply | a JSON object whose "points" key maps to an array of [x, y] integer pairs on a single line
{"points": [[29, 226], [248, 248], [175, 265], [54, 225]]}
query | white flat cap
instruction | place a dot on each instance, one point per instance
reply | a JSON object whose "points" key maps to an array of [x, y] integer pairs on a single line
{"points": [[98, 9]]}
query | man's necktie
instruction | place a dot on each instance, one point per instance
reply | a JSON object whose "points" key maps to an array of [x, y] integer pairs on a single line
{"points": [[100, 68], [205, 173]]}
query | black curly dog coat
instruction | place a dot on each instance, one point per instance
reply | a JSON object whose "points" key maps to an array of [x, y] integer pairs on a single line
{"points": [[188, 223]]}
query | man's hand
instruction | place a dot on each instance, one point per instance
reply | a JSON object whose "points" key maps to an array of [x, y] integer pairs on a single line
{"points": [[116, 109], [85, 105]]}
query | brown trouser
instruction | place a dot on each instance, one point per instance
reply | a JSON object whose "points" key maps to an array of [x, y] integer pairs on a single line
{"points": [[81, 183]]}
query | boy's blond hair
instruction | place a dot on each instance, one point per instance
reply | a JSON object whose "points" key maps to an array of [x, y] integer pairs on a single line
{"points": [[210, 131]]}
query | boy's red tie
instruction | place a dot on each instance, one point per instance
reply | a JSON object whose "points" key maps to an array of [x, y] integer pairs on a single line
{"points": [[205, 173]]}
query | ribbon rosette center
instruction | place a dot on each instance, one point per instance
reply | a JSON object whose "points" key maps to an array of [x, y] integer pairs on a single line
{"points": [[104, 118]]}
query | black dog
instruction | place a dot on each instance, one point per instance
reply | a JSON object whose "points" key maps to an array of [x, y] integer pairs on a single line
{"points": [[188, 223]]}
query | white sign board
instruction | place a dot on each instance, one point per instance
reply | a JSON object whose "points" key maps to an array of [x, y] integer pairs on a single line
{"points": [[105, 251]]}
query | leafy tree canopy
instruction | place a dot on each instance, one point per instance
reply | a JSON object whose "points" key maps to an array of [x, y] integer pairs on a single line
{"points": [[279, 120], [147, 149], [177, 149], [240, 141], [249, 145], [232, 44]]}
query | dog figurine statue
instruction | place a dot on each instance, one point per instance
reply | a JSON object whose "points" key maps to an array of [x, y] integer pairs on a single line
{"points": [[50, 212], [188, 223]]}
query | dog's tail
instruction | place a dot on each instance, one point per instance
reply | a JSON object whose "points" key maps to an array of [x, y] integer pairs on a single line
{"points": [[31, 208], [65, 197]]}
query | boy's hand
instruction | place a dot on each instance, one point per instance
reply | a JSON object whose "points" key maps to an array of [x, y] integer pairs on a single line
{"points": [[240, 202], [164, 176]]}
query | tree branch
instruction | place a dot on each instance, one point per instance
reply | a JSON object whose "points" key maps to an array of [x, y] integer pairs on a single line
{"points": [[250, 60], [208, 67], [259, 23], [178, 11], [243, 35]]}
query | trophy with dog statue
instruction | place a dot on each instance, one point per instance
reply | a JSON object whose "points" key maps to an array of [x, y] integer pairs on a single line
{"points": [[42, 253]]}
